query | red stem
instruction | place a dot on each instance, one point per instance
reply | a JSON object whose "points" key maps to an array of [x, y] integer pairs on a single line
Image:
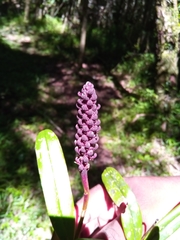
{"points": [[85, 182]]}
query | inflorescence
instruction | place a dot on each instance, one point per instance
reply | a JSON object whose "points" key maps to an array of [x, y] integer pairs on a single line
{"points": [[88, 126]]}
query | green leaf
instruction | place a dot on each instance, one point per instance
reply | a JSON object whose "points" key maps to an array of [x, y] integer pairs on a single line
{"points": [[55, 184], [165, 228], [119, 192]]}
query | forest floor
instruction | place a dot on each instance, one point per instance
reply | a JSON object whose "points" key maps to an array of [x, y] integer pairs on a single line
{"points": [[39, 91]]}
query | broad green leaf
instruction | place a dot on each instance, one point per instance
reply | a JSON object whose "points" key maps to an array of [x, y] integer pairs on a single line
{"points": [[119, 192], [165, 228], [55, 184]]}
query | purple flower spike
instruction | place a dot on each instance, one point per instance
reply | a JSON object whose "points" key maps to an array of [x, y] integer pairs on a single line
{"points": [[88, 126]]}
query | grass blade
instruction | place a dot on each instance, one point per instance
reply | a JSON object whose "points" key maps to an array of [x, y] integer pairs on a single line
{"points": [[55, 184]]}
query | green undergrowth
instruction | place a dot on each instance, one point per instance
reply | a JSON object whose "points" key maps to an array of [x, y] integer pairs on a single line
{"points": [[48, 36], [22, 213], [142, 136], [22, 209]]}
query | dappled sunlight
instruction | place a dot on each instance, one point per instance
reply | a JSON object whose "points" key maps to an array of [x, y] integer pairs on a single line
{"points": [[40, 78], [25, 213]]}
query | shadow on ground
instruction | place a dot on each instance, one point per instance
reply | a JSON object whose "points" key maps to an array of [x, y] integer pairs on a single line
{"points": [[40, 92]]}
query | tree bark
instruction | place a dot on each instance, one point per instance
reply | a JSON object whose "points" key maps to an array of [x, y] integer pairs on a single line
{"points": [[167, 48], [26, 11], [84, 5]]}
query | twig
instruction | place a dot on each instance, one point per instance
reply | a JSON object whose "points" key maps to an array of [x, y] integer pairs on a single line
{"points": [[141, 115], [58, 129]]}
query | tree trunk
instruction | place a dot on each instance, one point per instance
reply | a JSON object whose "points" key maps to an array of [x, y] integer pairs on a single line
{"points": [[39, 10], [26, 11], [167, 48], [84, 5]]}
